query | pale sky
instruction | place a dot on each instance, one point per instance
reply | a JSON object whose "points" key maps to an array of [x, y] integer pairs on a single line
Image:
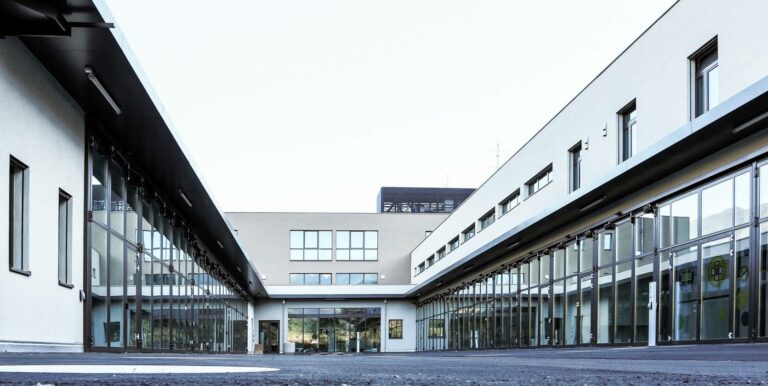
{"points": [[313, 105]]}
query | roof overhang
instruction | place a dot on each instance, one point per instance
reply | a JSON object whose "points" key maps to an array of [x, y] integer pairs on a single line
{"points": [[142, 129], [733, 120], [337, 292]]}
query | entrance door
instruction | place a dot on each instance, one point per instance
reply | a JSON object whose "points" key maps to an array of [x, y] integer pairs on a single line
{"points": [[269, 336], [685, 294]]}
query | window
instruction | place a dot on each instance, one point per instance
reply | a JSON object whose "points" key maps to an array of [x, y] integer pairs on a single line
{"points": [[705, 79], [440, 253], [436, 328], [487, 219], [469, 233], [510, 202], [419, 269], [453, 244], [357, 278], [311, 245], [427, 233], [574, 162], [396, 329], [309, 279], [627, 133], [539, 181], [430, 261], [357, 245], [65, 239], [19, 217]]}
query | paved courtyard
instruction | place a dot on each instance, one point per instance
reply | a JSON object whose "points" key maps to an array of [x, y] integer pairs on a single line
{"points": [[692, 365]]}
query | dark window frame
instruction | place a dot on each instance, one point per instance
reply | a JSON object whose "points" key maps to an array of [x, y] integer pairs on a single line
{"points": [[627, 123], [20, 225], [397, 328], [487, 219], [65, 245], [504, 204], [700, 68], [574, 167], [471, 231], [534, 185]]}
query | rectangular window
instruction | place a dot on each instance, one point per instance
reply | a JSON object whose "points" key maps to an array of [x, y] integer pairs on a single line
{"points": [[440, 253], [705, 79], [311, 245], [468, 233], [419, 269], [627, 133], [510, 202], [309, 279], [487, 219], [453, 244], [65, 238], [357, 245], [574, 162], [357, 278], [542, 179], [430, 261], [395, 329], [436, 328], [19, 217], [427, 233]]}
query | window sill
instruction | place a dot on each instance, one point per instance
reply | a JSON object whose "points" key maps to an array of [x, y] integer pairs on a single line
{"points": [[66, 285], [21, 272]]}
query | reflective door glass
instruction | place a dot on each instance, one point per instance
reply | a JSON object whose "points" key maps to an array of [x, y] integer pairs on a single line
{"points": [[685, 306], [605, 304], [715, 284], [585, 309]]}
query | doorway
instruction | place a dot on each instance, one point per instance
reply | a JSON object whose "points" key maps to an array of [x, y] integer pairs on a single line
{"points": [[269, 336]]}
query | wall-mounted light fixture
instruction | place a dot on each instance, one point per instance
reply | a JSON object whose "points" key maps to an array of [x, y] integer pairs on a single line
{"points": [[92, 77]]}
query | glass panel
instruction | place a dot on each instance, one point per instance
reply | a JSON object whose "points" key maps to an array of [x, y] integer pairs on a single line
{"points": [[665, 226], [558, 307], [742, 198], [716, 289], [342, 239], [371, 254], [533, 308], [713, 94], [545, 263], [356, 278], [297, 254], [132, 219], [644, 231], [571, 310], [763, 311], [310, 254], [605, 253], [311, 279], [356, 239], [342, 278], [114, 328], [544, 319], [525, 312], [623, 316], [559, 263], [98, 294], [356, 254], [534, 266], [324, 254], [585, 308], [99, 188], [644, 276], [717, 207], [524, 276], [685, 270], [118, 204], [665, 298], [325, 239], [310, 239], [585, 257], [371, 240], [685, 219], [296, 279], [342, 254], [371, 278], [605, 304], [572, 258], [741, 311], [624, 249]]}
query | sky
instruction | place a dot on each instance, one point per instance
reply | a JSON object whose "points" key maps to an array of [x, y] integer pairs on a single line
{"points": [[313, 105]]}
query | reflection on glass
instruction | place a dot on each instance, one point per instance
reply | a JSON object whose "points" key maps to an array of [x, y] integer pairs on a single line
{"points": [[623, 316], [715, 288], [685, 270], [604, 304], [685, 219], [717, 207], [585, 308], [643, 278], [571, 310], [605, 253]]}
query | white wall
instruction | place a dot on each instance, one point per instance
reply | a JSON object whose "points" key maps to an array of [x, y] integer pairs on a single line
{"points": [[390, 309], [655, 71], [43, 127]]}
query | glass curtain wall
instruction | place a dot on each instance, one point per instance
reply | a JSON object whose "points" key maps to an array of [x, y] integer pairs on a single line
{"points": [[335, 329], [710, 263], [152, 287]]}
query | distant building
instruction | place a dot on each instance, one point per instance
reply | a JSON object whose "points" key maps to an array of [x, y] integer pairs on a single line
{"points": [[420, 200]]}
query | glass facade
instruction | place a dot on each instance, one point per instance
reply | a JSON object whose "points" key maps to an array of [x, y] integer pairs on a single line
{"points": [[335, 329], [152, 285], [700, 246]]}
